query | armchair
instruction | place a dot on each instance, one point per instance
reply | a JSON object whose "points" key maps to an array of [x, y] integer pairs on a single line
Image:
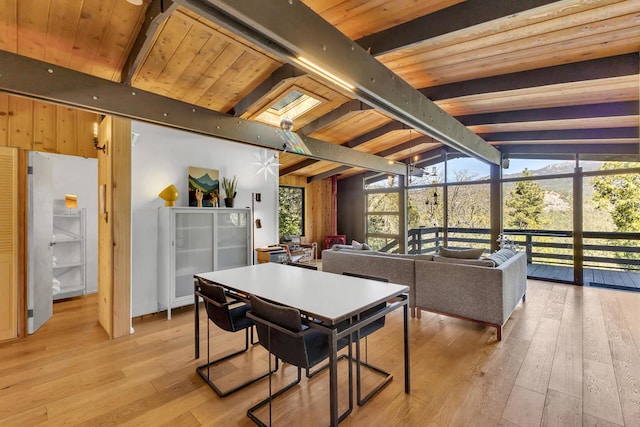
{"points": [[299, 251]]}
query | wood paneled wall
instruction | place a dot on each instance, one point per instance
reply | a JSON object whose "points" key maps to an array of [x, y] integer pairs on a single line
{"points": [[317, 208], [9, 244], [41, 126]]}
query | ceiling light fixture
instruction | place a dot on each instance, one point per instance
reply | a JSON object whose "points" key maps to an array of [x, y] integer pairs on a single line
{"points": [[135, 2], [333, 78]]}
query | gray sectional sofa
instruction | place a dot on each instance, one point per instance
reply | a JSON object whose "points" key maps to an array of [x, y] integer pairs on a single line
{"points": [[464, 288]]}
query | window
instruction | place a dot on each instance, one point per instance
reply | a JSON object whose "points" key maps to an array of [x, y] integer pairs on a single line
{"points": [[465, 169], [293, 103], [291, 210], [383, 219]]}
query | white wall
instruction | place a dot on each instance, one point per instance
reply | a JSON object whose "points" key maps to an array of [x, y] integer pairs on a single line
{"points": [[162, 156], [79, 176]]}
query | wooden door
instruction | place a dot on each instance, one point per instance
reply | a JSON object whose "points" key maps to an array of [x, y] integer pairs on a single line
{"points": [[8, 243]]}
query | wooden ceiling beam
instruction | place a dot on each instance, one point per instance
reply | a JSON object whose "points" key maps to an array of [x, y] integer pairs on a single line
{"points": [[613, 109], [324, 51], [445, 21], [350, 144], [327, 174], [157, 12], [376, 133], [286, 72], [333, 116], [613, 66], [405, 146], [569, 134], [300, 165], [28, 77], [571, 149]]}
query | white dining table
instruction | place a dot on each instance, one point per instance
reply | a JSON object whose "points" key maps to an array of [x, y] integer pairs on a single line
{"points": [[326, 297]]}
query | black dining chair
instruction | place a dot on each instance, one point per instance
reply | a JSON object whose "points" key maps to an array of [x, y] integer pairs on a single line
{"points": [[282, 332], [230, 315], [364, 332]]}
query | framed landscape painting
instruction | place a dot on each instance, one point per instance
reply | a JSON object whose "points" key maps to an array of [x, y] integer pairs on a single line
{"points": [[204, 187]]}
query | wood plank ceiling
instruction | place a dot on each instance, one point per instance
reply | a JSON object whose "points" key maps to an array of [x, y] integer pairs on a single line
{"points": [[519, 74]]}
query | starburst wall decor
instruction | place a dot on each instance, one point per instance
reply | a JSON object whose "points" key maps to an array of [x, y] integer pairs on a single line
{"points": [[267, 164]]}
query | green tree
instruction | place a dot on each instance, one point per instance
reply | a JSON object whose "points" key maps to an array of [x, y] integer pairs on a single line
{"points": [[526, 204], [413, 215], [291, 211], [620, 195]]}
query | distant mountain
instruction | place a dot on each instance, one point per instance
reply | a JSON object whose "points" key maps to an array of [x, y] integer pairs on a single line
{"points": [[204, 183], [558, 168], [562, 186]]}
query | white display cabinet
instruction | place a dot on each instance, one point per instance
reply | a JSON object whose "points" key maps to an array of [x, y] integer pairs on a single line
{"points": [[197, 240], [69, 253]]}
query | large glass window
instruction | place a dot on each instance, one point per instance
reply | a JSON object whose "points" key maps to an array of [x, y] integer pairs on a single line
{"points": [[537, 212], [538, 215], [468, 216], [464, 169], [383, 220], [381, 181], [425, 209], [611, 225], [291, 210]]}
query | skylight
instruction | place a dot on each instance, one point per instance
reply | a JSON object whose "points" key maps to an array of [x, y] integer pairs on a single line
{"points": [[292, 104]]}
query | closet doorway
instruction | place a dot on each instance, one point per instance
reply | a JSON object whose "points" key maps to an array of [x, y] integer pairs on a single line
{"points": [[62, 232]]}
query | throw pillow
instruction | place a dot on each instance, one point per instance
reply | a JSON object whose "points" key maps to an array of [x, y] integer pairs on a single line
{"points": [[460, 253], [501, 256], [338, 246], [357, 245]]}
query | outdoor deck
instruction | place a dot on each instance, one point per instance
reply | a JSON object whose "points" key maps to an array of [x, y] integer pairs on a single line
{"points": [[592, 277]]}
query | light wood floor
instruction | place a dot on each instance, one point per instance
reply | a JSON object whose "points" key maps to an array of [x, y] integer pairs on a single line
{"points": [[569, 357]]}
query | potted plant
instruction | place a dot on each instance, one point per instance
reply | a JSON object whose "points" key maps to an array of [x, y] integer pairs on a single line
{"points": [[229, 187]]}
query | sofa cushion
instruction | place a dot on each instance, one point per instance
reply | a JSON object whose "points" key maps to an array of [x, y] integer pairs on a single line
{"points": [[421, 257], [460, 253], [482, 262], [500, 256]]}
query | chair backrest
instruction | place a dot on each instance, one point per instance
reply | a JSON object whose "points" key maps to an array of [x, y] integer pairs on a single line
{"points": [[289, 344], [218, 311]]}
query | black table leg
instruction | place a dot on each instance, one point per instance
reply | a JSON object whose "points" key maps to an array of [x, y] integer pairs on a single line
{"points": [[407, 375], [196, 325], [333, 377]]}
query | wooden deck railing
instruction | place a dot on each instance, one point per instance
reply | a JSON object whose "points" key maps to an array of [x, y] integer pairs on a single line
{"points": [[611, 250]]}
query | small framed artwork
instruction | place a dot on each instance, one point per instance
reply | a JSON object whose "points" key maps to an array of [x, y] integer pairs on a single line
{"points": [[204, 187]]}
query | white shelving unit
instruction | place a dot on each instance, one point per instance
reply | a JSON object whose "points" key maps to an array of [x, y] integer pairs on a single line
{"points": [[197, 240], [69, 253]]}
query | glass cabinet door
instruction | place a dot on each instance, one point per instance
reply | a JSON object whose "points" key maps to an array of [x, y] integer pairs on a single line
{"points": [[194, 249], [232, 240]]}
